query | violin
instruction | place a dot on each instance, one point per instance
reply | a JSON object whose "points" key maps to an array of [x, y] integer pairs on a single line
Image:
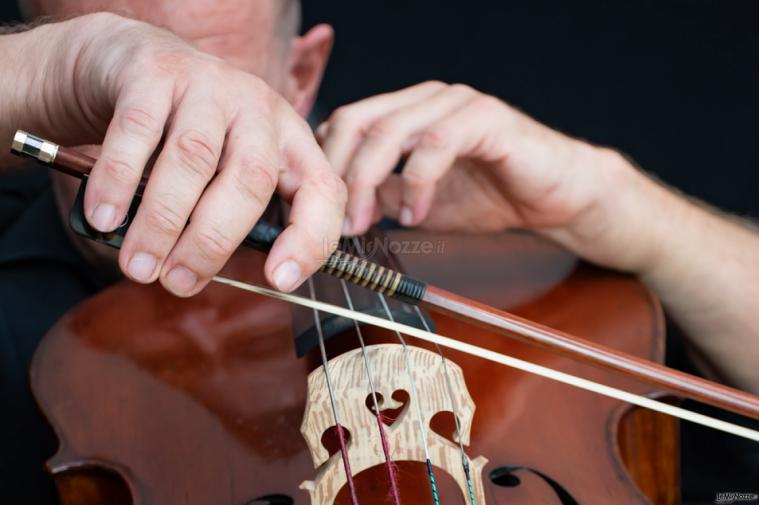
{"points": [[369, 385]]}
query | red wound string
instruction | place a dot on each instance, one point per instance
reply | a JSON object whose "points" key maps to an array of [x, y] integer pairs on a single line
{"points": [[392, 469], [392, 472], [333, 403], [346, 463]]}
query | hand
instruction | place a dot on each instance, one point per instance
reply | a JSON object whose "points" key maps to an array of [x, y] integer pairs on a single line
{"points": [[476, 164], [224, 140]]}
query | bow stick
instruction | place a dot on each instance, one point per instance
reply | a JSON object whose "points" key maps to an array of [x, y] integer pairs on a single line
{"points": [[391, 283]]}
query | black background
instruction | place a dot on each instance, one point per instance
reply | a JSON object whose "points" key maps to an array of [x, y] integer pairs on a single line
{"points": [[673, 83]]}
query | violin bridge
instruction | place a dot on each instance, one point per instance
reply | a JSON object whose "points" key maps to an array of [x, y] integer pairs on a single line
{"points": [[351, 390]]}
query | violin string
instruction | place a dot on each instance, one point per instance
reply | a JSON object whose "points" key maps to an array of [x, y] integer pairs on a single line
{"points": [[502, 359], [414, 396], [391, 469], [451, 396], [415, 402], [454, 409], [338, 426]]}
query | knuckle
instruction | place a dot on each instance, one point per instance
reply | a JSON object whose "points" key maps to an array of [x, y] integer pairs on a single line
{"points": [[213, 243], [463, 89], [140, 123], [436, 137], [343, 117], [164, 219], [120, 172], [255, 179], [333, 186], [433, 85], [416, 178], [380, 129], [487, 103], [197, 154], [354, 183]]}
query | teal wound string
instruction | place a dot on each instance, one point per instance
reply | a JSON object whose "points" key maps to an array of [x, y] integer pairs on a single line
{"points": [[451, 396], [455, 410], [414, 396]]}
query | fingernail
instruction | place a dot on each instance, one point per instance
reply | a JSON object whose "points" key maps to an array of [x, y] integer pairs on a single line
{"points": [[287, 276], [181, 281], [103, 217], [141, 267], [346, 226], [406, 217]]}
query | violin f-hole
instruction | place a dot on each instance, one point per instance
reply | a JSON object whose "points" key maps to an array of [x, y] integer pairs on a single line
{"points": [[505, 476]]}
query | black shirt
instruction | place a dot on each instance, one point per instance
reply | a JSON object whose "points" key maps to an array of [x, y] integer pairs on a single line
{"points": [[41, 277]]}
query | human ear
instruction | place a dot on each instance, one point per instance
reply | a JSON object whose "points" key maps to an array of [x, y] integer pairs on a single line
{"points": [[307, 60]]}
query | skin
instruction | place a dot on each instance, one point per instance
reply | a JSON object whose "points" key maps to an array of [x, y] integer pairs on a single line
{"points": [[232, 138], [476, 164]]}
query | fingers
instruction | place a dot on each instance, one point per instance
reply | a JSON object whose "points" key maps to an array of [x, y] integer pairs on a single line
{"points": [[384, 142], [341, 134], [228, 209], [365, 141], [187, 162], [132, 136], [316, 215], [230, 141], [460, 134]]}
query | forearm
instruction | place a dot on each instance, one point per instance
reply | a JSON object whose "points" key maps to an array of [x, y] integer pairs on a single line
{"points": [[705, 269], [701, 263]]}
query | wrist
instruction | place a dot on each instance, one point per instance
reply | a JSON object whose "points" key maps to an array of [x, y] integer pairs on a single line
{"points": [[38, 99], [25, 91], [60, 82], [620, 226], [648, 215], [77, 89]]}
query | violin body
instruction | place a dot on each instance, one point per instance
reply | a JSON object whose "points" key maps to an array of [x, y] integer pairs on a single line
{"points": [[158, 400]]}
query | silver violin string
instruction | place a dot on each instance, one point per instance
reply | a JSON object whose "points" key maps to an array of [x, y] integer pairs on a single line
{"points": [[414, 395], [323, 351], [409, 372], [451, 396], [454, 409], [415, 403], [331, 391], [369, 375], [364, 355], [502, 359]]}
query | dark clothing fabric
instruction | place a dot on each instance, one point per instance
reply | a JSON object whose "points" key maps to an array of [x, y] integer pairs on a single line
{"points": [[41, 277]]}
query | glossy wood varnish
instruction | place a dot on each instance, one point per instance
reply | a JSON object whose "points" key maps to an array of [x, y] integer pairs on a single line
{"points": [[199, 401]]}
